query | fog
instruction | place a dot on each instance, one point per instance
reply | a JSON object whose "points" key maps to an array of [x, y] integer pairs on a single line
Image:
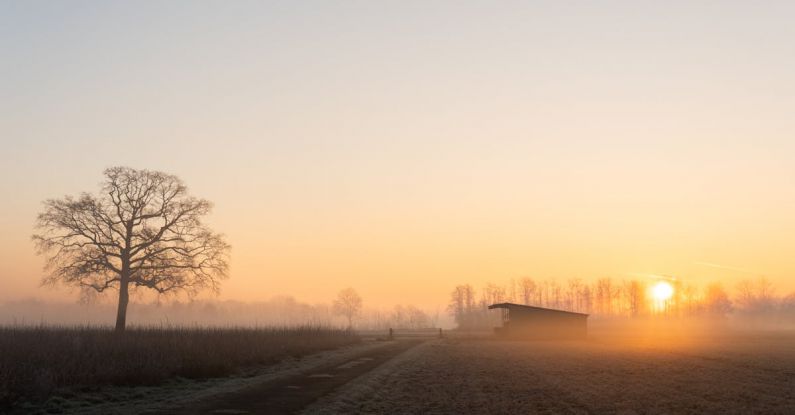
{"points": [[276, 311]]}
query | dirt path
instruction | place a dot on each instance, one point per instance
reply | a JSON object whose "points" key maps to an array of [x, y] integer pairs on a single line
{"points": [[292, 393]]}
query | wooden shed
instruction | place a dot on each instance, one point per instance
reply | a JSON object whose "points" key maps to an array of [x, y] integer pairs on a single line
{"points": [[524, 321]]}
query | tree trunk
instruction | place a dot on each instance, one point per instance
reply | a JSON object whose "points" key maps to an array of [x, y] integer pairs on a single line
{"points": [[124, 281], [121, 313], [124, 295]]}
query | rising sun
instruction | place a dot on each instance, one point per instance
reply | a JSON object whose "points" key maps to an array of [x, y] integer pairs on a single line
{"points": [[662, 291]]}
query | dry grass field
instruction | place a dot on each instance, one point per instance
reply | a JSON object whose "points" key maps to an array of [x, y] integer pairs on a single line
{"points": [[649, 372], [38, 362]]}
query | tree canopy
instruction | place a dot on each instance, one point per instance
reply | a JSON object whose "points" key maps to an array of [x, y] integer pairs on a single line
{"points": [[142, 229]]}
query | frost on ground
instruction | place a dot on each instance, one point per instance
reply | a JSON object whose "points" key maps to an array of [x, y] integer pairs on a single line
{"points": [[146, 399], [737, 374]]}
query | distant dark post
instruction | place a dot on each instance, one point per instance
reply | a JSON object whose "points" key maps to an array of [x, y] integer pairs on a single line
{"points": [[440, 332], [390, 334]]}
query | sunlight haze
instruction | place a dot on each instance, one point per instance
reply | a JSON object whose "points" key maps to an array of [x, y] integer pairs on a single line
{"points": [[402, 148]]}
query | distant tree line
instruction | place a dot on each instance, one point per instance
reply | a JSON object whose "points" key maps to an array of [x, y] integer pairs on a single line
{"points": [[400, 317], [607, 297], [279, 311], [348, 304]]}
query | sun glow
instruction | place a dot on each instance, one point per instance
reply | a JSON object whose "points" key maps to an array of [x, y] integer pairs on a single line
{"points": [[662, 291]]}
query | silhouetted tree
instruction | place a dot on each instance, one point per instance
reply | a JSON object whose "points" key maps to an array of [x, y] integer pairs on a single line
{"points": [[493, 294], [457, 305], [557, 294], [604, 294], [716, 301], [586, 299], [745, 294], [756, 296], [608, 297], [573, 298], [687, 296], [635, 293], [512, 294], [409, 317], [467, 312], [527, 290], [141, 230], [765, 294], [348, 304], [545, 296]]}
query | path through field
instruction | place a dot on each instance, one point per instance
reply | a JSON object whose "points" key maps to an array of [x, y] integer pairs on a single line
{"points": [[285, 387], [289, 394], [752, 373]]}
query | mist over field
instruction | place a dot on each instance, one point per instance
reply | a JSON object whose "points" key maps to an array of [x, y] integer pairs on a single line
{"points": [[401, 207], [276, 312]]}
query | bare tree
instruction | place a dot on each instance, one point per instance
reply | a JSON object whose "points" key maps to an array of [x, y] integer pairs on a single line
{"points": [[687, 295], [141, 230], [546, 296], [348, 304], [463, 306], [572, 295], [635, 297], [557, 294], [493, 294], [586, 298], [458, 306], [604, 293], [765, 293], [528, 289], [716, 301], [410, 317], [745, 294]]}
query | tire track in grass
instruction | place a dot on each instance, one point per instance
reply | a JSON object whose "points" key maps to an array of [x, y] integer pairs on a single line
{"points": [[292, 393]]}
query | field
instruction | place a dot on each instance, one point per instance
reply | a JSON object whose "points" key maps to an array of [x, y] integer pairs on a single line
{"points": [[647, 368], [37, 362], [651, 373]]}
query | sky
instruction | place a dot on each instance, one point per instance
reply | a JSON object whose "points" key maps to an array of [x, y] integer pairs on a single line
{"points": [[404, 147]]}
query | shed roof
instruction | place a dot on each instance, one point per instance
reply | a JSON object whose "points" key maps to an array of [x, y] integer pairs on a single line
{"points": [[511, 306]]}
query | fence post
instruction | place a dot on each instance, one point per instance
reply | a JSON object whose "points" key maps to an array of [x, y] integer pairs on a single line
{"points": [[390, 334], [440, 332]]}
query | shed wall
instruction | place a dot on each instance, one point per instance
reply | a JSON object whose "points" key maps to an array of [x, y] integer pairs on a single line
{"points": [[540, 324]]}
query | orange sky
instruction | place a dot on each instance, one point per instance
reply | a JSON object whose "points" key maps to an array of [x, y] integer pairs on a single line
{"points": [[401, 150]]}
